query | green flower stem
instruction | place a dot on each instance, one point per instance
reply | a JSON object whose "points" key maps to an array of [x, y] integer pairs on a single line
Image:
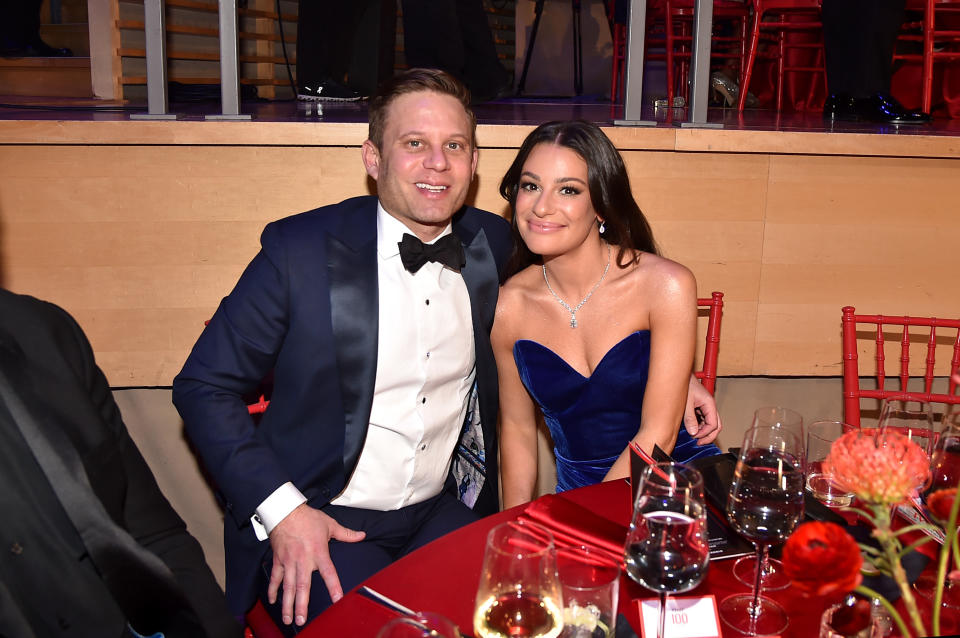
{"points": [[950, 543], [891, 547], [897, 618]]}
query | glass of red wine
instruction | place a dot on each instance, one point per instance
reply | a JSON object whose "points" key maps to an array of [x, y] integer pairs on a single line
{"points": [[519, 594], [744, 569], [945, 474], [667, 549], [765, 505]]}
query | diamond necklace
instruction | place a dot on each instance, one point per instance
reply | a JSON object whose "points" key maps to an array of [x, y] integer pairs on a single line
{"points": [[573, 311]]}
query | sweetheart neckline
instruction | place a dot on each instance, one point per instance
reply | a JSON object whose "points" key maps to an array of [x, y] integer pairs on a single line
{"points": [[570, 367]]}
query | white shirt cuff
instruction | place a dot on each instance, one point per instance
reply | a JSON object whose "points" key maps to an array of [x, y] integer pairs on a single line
{"points": [[275, 508]]}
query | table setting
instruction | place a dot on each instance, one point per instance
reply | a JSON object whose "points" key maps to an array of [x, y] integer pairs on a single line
{"points": [[621, 560]]}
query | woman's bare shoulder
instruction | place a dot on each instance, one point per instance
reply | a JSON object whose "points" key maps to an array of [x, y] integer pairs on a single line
{"points": [[516, 293]]}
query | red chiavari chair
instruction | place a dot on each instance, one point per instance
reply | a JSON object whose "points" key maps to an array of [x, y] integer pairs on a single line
{"points": [[708, 373], [853, 393]]}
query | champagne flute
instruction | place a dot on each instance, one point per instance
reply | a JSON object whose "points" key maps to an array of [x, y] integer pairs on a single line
{"points": [[744, 569], [666, 549], [519, 595], [945, 471], [764, 506]]}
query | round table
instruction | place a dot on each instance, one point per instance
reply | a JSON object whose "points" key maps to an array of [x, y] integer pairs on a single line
{"points": [[443, 575]]}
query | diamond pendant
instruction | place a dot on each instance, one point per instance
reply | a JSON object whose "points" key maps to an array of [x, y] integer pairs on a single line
{"points": [[573, 321]]}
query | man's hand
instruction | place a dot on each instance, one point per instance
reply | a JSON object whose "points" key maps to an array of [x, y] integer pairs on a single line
{"points": [[699, 397], [300, 546]]}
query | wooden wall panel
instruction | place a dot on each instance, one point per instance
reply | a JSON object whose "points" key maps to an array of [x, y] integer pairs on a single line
{"points": [[141, 235]]}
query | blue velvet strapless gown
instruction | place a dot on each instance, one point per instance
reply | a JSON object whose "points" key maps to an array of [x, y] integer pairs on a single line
{"points": [[592, 419]]}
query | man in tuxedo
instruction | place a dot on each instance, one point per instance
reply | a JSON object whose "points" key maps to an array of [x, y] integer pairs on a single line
{"points": [[91, 546], [374, 315], [379, 356]]}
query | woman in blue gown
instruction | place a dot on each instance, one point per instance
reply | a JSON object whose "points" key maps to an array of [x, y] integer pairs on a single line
{"points": [[595, 328]]}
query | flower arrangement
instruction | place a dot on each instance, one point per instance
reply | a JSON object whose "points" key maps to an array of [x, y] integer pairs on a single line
{"points": [[882, 470]]}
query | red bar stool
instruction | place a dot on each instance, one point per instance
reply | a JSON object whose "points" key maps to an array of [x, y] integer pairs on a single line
{"points": [[670, 25], [937, 43], [787, 16]]}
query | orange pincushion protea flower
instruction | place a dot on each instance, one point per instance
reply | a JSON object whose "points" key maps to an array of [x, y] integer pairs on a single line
{"points": [[882, 468]]}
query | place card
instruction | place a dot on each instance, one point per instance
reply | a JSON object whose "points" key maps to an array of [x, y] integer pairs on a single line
{"points": [[687, 617]]}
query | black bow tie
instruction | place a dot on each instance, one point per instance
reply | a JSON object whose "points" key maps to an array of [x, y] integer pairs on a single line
{"points": [[447, 250]]}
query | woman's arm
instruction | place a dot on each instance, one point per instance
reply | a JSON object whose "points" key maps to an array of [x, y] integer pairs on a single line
{"points": [[671, 292], [518, 427]]}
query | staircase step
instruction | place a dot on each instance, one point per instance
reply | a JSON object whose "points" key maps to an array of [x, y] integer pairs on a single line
{"points": [[53, 77]]}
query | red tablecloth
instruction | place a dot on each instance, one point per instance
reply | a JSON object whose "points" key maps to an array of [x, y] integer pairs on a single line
{"points": [[443, 577]]}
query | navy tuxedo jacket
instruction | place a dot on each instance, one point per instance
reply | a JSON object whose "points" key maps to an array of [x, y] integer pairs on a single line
{"points": [[306, 308]]}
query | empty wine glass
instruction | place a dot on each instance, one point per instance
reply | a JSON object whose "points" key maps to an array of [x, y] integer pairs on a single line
{"points": [[519, 595], [420, 625], [666, 549], [945, 474], [764, 506], [744, 569], [909, 417]]}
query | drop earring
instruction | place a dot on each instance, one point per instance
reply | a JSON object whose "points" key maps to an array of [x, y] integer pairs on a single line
{"points": [[603, 226]]}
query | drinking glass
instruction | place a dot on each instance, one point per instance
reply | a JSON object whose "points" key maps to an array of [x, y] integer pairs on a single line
{"points": [[519, 593], [764, 506], [945, 471], [420, 625], [772, 573], [666, 549], [911, 418], [820, 438], [590, 584]]}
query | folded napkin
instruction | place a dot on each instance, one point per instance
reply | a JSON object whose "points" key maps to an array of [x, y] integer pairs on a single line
{"points": [[573, 525]]}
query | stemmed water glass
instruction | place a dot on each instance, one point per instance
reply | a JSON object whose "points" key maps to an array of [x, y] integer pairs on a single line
{"points": [[945, 474], [911, 418], [667, 549], [744, 569], [764, 506], [519, 593]]}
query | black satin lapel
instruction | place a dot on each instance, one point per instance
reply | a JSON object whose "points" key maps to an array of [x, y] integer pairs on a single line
{"points": [[354, 309], [480, 276]]}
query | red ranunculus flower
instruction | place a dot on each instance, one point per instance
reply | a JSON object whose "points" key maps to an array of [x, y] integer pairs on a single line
{"points": [[822, 559], [940, 502]]}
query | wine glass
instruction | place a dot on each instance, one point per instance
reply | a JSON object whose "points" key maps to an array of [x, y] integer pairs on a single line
{"points": [[519, 595], [909, 417], [420, 625], [744, 569], [666, 549], [764, 506], [945, 471]]}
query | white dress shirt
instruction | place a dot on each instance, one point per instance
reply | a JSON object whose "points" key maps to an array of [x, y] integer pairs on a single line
{"points": [[425, 369]]}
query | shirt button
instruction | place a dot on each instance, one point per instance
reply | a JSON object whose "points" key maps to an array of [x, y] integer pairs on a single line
{"points": [[423, 400], [423, 447], [428, 355], [428, 302]]}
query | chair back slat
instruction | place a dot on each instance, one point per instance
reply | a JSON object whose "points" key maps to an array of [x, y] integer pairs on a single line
{"points": [[904, 358], [881, 372], [853, 393], [931, 359], [708, 373]]}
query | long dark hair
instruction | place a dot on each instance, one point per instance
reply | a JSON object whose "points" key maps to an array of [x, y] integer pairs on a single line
{"points": [[607, 181]]}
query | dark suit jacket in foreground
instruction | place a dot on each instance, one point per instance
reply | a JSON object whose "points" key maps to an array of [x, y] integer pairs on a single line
{"points": [[307, 308], [49, 586]]}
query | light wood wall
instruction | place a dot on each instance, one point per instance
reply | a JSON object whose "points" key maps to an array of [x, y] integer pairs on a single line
{"points": [[139, 229]]}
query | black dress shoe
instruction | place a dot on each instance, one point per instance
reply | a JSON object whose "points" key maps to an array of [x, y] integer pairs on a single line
{"points": [[840, 106], [326, 90], [886, 109]]}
